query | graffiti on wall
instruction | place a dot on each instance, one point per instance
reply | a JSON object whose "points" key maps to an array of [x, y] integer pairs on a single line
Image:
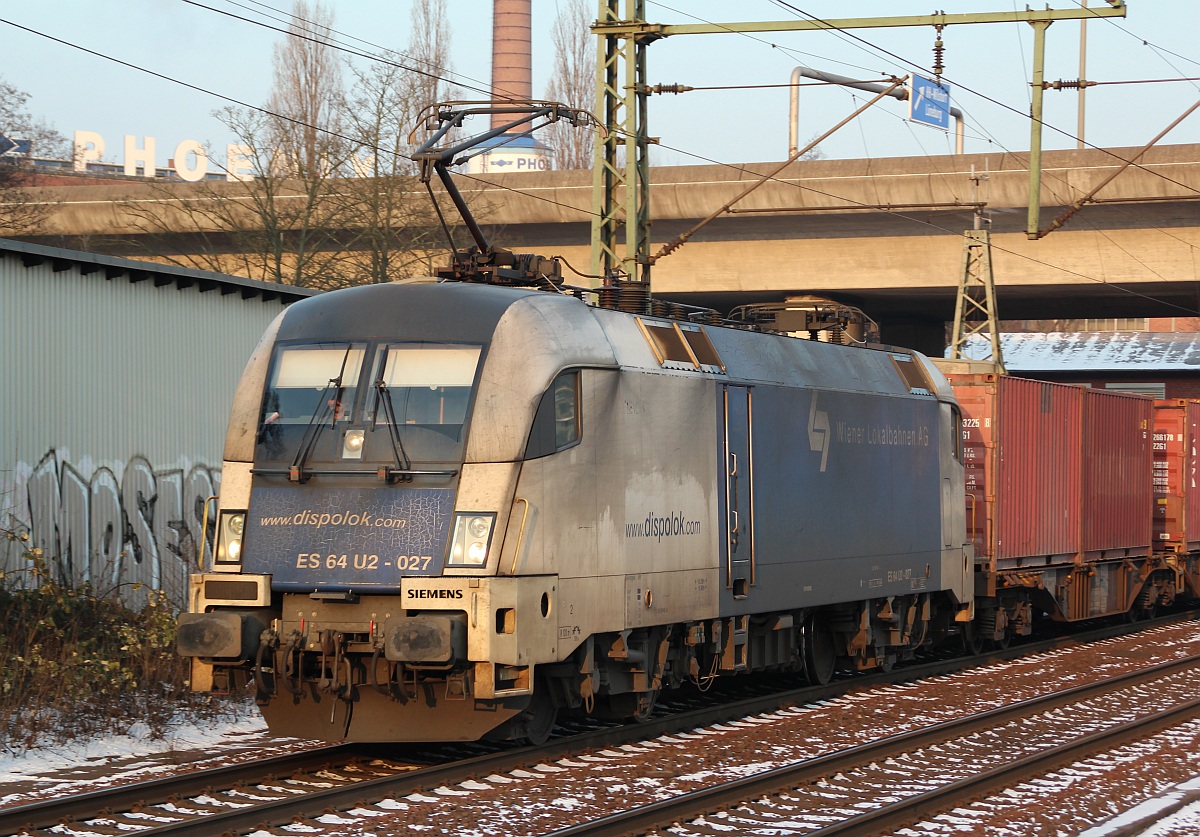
{"points": [[121, 531]]}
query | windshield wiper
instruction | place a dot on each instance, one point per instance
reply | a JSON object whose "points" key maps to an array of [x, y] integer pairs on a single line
{"points": [[389, 409]]}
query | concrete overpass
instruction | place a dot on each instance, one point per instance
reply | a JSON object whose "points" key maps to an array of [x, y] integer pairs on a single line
{"points": [[885, 234]]}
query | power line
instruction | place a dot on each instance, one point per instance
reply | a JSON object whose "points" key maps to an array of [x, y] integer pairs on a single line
{"points": [[551, 201], [926, 223], [907, 63], [297, 122], [325, 41]]}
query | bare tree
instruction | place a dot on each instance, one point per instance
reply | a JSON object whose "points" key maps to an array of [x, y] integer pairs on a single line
{"points": [[272, 226], [306, 94], [573, 83], [429, 55], [16, 121], [333, 200], [385, 203], [22, 212], [396, 235], [281, 224]]}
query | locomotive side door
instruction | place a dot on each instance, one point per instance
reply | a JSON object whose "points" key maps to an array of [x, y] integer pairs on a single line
{"points": [[739, 491]]}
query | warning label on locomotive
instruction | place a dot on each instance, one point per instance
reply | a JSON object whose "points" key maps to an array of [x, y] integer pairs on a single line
{"points": [[342, 538]]}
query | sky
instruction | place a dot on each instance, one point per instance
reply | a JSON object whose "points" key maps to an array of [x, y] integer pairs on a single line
{"points": [[987, 67]]}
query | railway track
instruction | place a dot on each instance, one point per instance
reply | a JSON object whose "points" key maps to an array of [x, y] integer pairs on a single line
{"points": [[959, 761], [249, 796]]}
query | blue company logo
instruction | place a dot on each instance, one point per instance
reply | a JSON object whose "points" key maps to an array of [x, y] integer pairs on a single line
{"points": [[818, 431]]}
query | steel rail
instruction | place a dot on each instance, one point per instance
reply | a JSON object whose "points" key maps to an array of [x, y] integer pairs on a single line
{"points": [[728, 795], [939, 799], [43, 815], [47, 814]]}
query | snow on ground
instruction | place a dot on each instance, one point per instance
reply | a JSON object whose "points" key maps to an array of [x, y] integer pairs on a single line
{"points": [[58, 770]]}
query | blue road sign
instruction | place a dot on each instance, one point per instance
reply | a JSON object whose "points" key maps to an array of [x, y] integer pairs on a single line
{"points": [[929, 102], [14, 146]]}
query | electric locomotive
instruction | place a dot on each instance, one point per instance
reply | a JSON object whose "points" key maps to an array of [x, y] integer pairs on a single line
{"points": [[451, 510]]}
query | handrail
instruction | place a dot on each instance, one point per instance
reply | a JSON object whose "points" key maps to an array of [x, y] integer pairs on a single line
{"points": [[520, 535], [204, 532]]}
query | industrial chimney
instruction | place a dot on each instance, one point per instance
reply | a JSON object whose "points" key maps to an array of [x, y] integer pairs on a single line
{"points": [[512, 65], [512, 81]]}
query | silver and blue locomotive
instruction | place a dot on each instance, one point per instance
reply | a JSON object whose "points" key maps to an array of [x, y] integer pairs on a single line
{"points": [[453, 510]]}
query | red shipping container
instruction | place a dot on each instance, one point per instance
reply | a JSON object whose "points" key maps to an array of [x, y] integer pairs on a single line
{"points": [[1176, 494], [1118, 464], [1055, 473]]}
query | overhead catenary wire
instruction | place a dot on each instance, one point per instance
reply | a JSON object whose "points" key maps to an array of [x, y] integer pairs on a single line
{"points": [[741, 169], [551, 201], [914, 65], [862, 41], [317, 38]]}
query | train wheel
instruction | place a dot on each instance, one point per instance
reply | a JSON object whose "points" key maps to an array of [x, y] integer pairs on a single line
{"points": [[539, 717], [820, 657], [972, 639]]}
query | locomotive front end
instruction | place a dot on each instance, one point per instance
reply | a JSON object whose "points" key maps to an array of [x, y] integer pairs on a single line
{"points": [[357, 583]]}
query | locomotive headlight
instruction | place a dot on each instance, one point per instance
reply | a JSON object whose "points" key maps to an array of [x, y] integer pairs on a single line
{"points": [[229, 539], [472, 537], [352, 444], [478, 527]]}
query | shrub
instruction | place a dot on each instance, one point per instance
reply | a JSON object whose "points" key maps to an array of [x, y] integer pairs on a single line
{"points": [[74, 664]]}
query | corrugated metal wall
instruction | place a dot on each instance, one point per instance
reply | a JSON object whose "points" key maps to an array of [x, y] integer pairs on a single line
{"points": [[114, 396], [110, 369]]}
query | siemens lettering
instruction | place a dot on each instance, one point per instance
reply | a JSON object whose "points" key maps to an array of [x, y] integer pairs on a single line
{"points": [[435, 594]]}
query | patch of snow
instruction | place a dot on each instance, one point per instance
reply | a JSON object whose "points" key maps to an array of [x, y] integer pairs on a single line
{"points": [[104, 754], [445, 791]]}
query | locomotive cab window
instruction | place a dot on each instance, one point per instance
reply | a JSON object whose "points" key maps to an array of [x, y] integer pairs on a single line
{"points": [[313, 382], [556, 424], [424, 391], [424, 383]]}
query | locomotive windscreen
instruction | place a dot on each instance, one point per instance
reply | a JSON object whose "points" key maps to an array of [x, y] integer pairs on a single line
{"points": [[334, 416], [423, 389]]}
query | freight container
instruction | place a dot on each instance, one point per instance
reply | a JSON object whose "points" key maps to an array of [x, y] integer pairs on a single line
{"points": [[1117, 467], [1176, 494], [1056, 474]]}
